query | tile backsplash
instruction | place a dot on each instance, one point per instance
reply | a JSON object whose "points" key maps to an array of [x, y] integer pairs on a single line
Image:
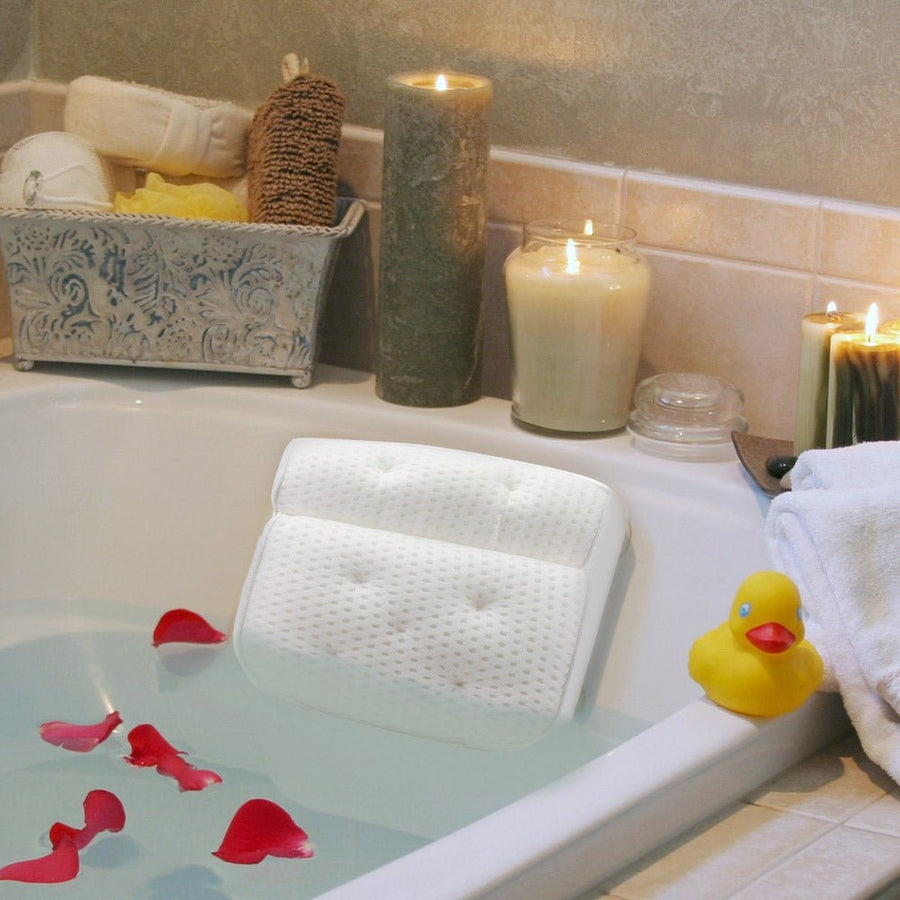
{"points": [[734, 268]]}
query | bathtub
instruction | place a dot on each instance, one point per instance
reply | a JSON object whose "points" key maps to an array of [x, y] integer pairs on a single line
{"points": [[126, 493]]}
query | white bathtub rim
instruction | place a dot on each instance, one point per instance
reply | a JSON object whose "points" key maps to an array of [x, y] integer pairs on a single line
{"points": [[499, 855]]}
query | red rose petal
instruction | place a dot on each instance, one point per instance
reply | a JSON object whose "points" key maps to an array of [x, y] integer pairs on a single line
{"points": [[189, 777], [148, 746], [61, 864], [261, 828], [183, 625], [80, 738], [59, 832], [103, 811]]}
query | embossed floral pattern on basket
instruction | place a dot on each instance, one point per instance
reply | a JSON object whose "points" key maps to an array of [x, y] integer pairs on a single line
{"points": [[155, 291]]}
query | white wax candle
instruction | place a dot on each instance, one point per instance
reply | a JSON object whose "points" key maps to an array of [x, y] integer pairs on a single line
{"points": [[575, 330], [816, 330]]}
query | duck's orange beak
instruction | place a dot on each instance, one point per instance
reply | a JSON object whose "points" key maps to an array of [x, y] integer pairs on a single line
{"points": [[771, 637]]}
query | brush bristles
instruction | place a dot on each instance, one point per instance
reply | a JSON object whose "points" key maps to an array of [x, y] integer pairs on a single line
{"points": [[292, 154]]}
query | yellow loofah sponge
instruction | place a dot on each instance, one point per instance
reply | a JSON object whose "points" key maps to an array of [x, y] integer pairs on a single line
{"points": [[186, 201]]}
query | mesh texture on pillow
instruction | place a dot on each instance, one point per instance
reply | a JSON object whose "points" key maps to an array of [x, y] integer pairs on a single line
{"points": [[442, 593]]}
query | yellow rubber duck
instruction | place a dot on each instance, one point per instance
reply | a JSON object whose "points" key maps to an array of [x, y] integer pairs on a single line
{"points": [[758, 662]]}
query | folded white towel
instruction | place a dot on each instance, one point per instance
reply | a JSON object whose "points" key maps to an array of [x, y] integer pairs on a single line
{"points": [[837, 535], [875, 464], [158, 130]]}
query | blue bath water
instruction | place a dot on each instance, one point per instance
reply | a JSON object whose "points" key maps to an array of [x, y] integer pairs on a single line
{"points": [[364, 795]]}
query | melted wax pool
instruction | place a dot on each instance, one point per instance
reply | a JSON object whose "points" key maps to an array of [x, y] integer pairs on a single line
{"points": [[364, 795]]}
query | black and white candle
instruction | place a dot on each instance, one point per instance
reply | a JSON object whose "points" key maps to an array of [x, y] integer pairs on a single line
{"points": [[864, 386]]}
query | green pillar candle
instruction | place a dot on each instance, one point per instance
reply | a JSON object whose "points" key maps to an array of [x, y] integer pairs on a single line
{"points": [[864, 388], [433, 236]]}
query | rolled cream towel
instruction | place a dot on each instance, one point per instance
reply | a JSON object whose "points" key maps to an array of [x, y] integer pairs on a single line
{"points": [[55, 170], [154, 129]]}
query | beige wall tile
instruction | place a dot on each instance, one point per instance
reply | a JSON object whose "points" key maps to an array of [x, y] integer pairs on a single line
{"points": [[844, 864], [524, 188], [28, 107], [15, 113], [860, 242], [714, 860], [496, 382], [348, 329], [48, 100], [521, 188], [722, 220], [852, 295], [736, 321], [360, 163]]}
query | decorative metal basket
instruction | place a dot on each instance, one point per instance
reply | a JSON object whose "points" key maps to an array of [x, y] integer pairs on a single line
{"points": [[158, 291]]}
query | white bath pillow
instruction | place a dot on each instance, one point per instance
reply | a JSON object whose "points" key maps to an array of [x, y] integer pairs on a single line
{"points": [[158, 130], [441, 593]]}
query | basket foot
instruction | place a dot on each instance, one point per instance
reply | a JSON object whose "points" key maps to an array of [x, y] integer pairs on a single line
{"points": [[301, 381], [23, 365]]}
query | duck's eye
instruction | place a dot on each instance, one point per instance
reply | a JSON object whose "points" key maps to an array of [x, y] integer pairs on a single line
{"points": [[744, 611]]}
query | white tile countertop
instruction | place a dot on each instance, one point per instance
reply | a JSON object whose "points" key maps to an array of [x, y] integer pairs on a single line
{"points": [[828, 828]]}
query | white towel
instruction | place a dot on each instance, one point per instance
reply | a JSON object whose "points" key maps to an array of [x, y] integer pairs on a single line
{"points": [[875, 465], [837, 534]]}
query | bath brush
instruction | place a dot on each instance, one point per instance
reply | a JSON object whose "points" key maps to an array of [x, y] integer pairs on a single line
{"points": [[447, 594], [292, 150]]}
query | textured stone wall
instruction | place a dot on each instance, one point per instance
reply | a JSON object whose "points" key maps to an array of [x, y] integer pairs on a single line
{"points": [[15, 39], [775, 93]]}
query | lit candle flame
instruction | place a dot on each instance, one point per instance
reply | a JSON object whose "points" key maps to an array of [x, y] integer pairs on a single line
{"points": [[440, 83], [589, 226], [871, 321], [831, 308], [573, 267]]}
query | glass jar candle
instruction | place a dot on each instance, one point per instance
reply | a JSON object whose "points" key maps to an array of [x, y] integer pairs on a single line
{"points": [[576, 296]]}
